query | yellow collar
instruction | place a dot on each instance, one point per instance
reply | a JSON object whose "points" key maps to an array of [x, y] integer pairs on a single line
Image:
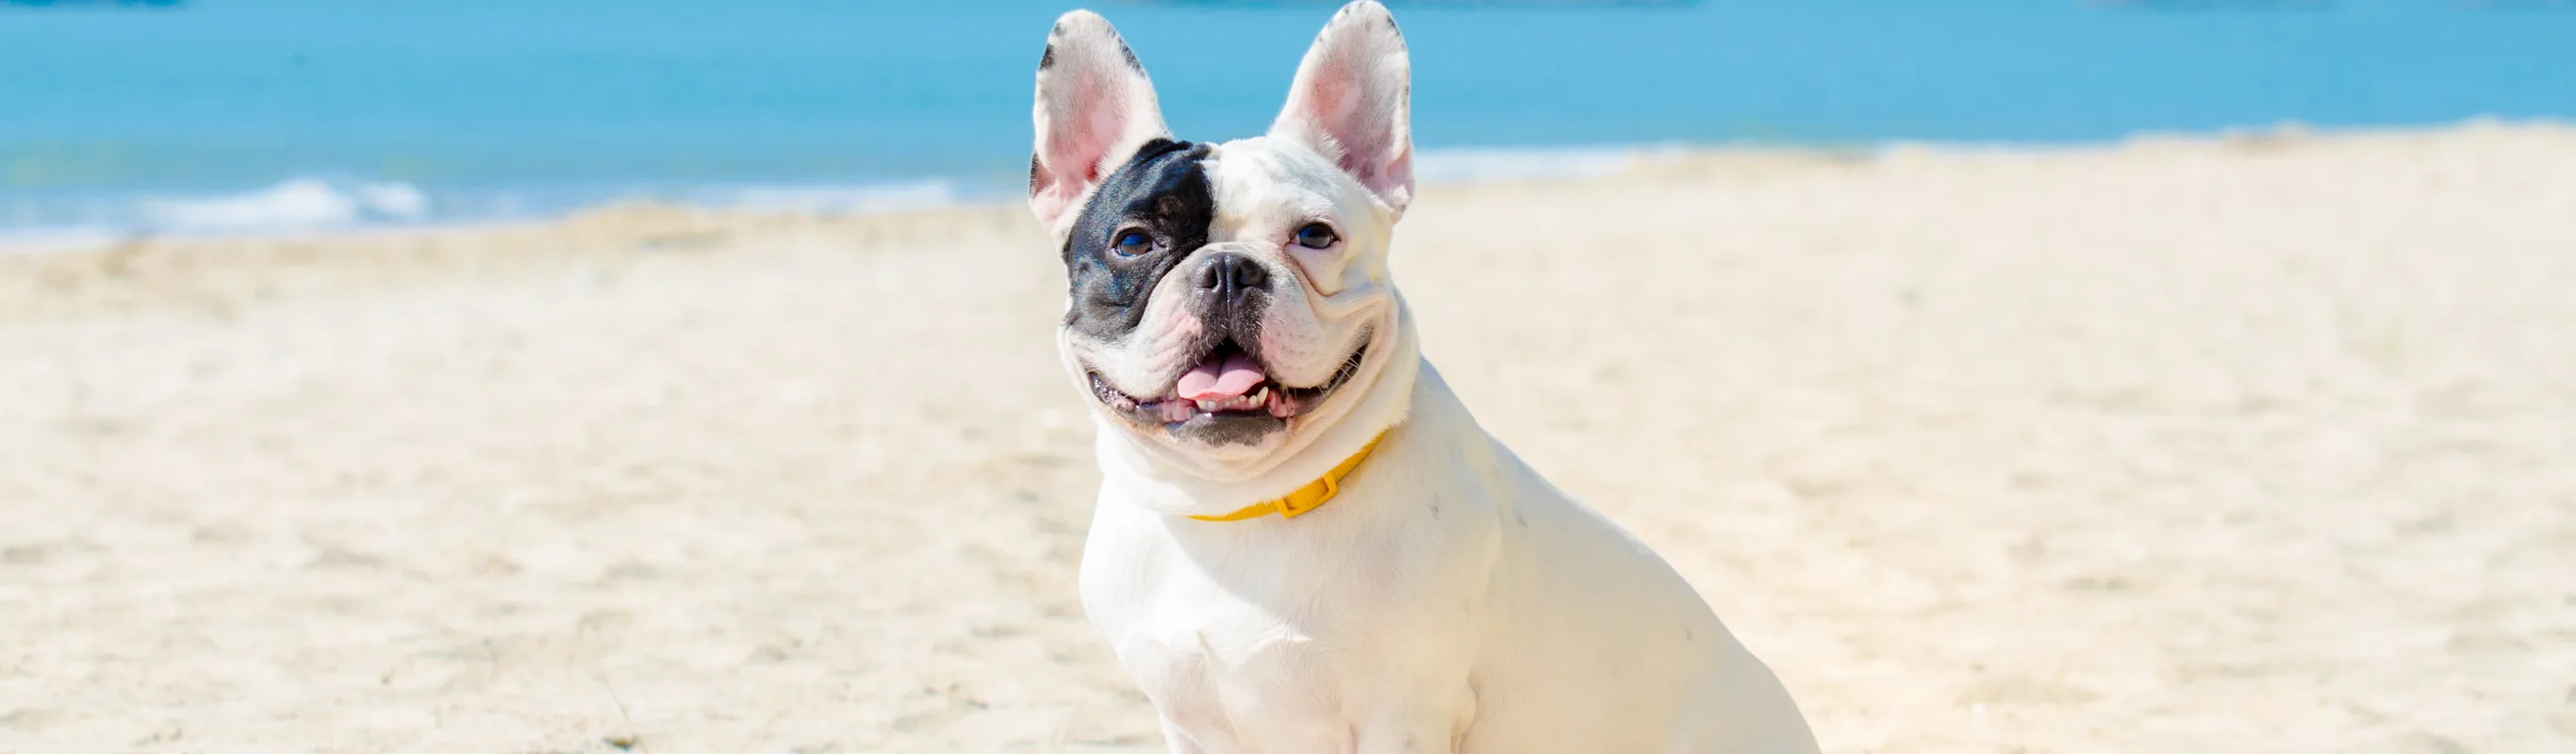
{"points": [[1308, 498]]}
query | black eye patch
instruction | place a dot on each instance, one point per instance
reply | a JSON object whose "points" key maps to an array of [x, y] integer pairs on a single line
{"points": [[1163, 192]]}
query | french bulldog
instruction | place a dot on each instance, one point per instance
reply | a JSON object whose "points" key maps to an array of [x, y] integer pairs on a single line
{"points": [[1303, 541]]}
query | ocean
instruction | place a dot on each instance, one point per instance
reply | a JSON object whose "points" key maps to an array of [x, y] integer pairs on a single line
{"points": [[217, 116]]}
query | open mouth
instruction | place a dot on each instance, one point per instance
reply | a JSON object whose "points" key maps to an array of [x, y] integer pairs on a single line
{"points": [[1225, 385]]}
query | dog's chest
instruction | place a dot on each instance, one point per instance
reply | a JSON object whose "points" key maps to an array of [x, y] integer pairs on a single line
{"points": [[1267, 641], [1236, 675]]}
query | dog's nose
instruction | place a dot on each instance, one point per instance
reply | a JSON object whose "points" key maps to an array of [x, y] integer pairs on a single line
{"points": [[1226, 276]]}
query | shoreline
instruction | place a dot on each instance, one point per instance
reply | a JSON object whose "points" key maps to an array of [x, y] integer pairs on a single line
{"points": [[116, 271], [295, 207]]}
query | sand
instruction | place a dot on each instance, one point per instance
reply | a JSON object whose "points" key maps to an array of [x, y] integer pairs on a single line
{"points": [[2257, 443]]}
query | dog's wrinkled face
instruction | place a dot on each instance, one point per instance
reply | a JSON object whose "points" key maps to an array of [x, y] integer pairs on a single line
{"points": [[1221, 297], [1211, 293]]}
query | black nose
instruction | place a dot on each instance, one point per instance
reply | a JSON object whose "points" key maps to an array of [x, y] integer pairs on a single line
{"points": [[1227, 276]]}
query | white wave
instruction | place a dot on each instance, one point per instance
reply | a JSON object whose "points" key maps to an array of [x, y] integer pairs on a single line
{"points": [[398, 201], [307, 204], [299, 204]]}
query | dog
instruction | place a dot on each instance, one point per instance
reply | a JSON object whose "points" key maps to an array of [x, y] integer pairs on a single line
{"points": [[1303, 541]]}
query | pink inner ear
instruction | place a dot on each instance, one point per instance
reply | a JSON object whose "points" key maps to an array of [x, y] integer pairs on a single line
{"points": [[1092, 102], [1349, 105], [1083, 124]]}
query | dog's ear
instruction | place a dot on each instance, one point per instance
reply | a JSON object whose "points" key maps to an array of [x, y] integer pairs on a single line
{"points": [[1094, 107], [1351, 102]]}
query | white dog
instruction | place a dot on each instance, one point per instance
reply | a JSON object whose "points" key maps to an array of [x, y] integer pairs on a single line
{"points": [[1303, 541]]}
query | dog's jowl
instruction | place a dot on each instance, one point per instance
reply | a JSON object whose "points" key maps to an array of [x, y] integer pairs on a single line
{"points": [[1304, 542]]}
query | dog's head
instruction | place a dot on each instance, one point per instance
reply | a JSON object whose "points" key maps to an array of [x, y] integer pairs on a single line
{"points": [[1227, 300]]}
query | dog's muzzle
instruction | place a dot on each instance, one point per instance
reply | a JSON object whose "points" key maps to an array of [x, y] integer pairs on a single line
{"points": [[1228, 291], [1226, 395]]}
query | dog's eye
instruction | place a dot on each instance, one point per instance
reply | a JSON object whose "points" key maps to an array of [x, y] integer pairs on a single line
{"points": [[1316, 236], [1132, 242]]}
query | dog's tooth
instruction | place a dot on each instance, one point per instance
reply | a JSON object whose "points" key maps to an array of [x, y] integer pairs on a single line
{"points": [[1210, 406]]}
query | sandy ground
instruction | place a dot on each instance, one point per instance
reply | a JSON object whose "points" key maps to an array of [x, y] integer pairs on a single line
{"points": [[2264, 443]]}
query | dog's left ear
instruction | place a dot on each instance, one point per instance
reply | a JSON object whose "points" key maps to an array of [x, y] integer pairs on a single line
{"points": [[1351, 102]]}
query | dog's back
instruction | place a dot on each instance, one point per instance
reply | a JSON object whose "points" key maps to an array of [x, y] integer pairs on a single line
{"points": [[1601, 646], [1593, 642]]}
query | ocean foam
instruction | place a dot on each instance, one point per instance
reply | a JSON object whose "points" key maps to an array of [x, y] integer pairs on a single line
{"points": [[299, 204], [309, 203]]}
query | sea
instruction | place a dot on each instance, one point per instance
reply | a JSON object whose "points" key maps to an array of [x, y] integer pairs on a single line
{"points": [[234, 116]]}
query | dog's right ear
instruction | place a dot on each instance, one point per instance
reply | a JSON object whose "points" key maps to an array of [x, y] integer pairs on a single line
{"points": [[1352, 101], [1095, 106]]}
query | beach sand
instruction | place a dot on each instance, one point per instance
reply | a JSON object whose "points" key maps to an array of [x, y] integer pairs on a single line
{"points": [[2255, 443]]}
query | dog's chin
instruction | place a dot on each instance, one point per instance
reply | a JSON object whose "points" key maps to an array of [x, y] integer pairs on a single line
{"points": [[1245, 426], [1238, 431]]}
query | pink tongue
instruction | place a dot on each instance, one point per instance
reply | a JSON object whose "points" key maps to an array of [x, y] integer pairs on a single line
{"points": [[1212, 381]]}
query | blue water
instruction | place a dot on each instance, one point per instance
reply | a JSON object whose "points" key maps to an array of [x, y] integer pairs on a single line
{"points": [[218, 113]]}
